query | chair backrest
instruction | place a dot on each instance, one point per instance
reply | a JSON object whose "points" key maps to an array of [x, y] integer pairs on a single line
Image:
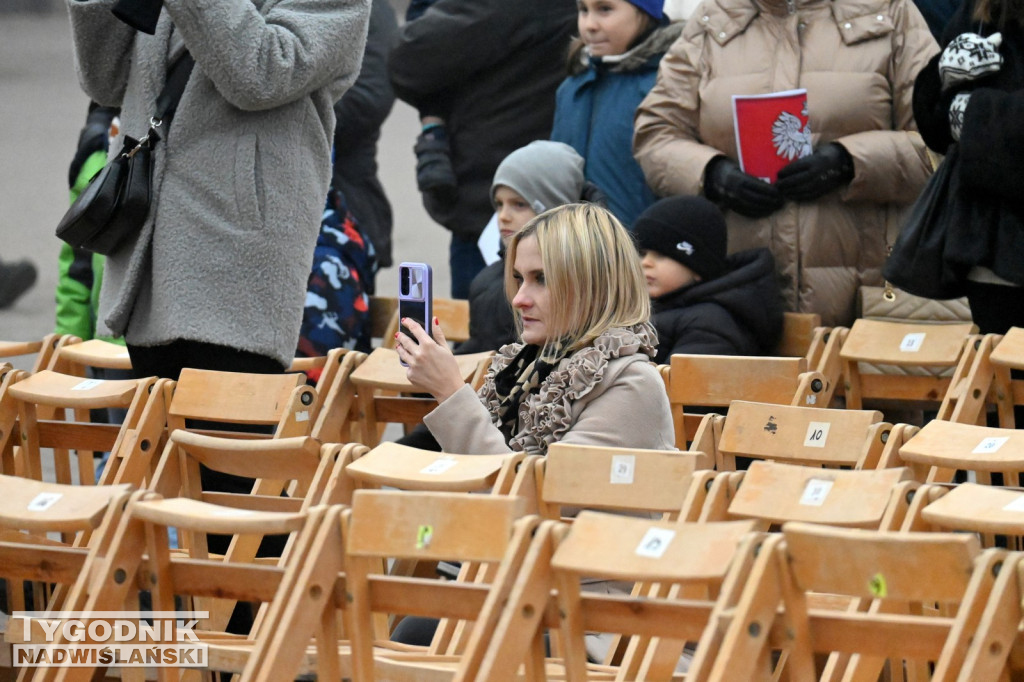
{"points": [[281, 402], [775, 493], [75, 358], [385, 394], [48, 410], [716, 380], [408, 468], [940, 448], [912, 362], [42, 350], [615, 479], [1008, 355], [899, 572], [799, 334], [801, 435]]}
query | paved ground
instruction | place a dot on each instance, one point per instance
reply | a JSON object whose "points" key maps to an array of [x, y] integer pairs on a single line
{"points": [[41, 112]]}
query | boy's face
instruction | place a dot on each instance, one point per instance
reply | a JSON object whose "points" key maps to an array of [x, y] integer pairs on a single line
{"points": [[513, 212], [663, 274]]}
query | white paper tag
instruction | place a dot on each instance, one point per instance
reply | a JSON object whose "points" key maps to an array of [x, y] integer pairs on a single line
{"points": [[43, 501], [989, 445], [302, 416], [622, 469], [1016, 506], [812, 399], [911, 343], [815, 492], [439, 466], [817, 434], [655, 542], [87, 385]]}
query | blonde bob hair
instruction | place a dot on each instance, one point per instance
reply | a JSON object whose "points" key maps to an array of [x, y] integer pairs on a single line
{"points": [[591, 270]]}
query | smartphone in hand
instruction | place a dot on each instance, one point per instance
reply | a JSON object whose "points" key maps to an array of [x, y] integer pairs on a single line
{"points": [[415, 295]]}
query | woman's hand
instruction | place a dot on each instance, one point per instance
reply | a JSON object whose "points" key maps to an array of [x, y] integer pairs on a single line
{"points": [[432, 365]]}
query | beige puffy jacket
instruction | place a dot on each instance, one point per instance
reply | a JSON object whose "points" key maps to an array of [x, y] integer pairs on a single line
{"points": [[857, 59]]}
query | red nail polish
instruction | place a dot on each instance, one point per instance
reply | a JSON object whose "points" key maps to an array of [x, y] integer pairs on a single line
{"points": [[436, 323]]}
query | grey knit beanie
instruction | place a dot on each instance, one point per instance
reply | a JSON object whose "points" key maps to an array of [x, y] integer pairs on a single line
{"points": [[547, 174]]}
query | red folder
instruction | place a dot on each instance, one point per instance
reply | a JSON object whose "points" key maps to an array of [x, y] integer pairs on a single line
{"points": [[771, 131]]}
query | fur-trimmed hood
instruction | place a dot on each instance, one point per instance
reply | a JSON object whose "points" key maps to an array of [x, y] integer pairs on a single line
{"points": [[653, 46]]}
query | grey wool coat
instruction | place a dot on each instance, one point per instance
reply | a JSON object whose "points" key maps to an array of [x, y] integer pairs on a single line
{"points": [[240, 176]]}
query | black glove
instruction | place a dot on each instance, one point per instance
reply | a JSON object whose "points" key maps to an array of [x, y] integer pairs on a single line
{"points": [[93, 138], [828, 168], [726, 184]]}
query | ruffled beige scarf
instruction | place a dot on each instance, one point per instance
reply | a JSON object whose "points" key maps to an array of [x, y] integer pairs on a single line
{"points": [[545, 414]]}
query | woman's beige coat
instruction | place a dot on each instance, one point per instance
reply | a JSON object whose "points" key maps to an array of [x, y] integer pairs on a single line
{"points": [[628, 408], [857, 59]]}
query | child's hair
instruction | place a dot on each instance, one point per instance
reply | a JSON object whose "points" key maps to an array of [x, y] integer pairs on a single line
{"points": [[591, 269]]}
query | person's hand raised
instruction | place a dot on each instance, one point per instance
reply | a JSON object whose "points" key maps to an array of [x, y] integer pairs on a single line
{"points": [[431, 364]]}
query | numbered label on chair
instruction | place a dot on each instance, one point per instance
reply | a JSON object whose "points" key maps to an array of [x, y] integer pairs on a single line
{"points": [[622, 469], [439, 466], [815, 492], [989, 445], [43, 501], [655, 542], [87, 385], [817, 435], [911, 343], [1015, 506]]}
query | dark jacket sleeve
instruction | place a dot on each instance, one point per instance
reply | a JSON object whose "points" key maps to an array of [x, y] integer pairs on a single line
{"points": [[364, 107], [451, 42]]}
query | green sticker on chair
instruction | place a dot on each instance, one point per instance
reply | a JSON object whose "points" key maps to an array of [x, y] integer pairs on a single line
{"points": [[423, 536], [878, 586]]}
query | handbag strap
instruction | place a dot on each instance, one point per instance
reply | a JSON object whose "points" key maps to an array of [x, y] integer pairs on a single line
{"points": [[177, 78]]}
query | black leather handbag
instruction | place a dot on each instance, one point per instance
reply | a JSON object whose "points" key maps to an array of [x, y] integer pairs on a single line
{"points": [[116, 203]]}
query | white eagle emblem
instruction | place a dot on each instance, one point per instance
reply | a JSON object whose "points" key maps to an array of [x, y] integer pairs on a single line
{"points": [[789, 139]]}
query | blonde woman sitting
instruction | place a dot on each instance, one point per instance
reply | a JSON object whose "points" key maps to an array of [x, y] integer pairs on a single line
{"points": [[582, 371]]}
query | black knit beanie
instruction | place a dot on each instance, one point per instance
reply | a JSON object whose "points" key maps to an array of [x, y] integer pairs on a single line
{"points": [[690, 230]]}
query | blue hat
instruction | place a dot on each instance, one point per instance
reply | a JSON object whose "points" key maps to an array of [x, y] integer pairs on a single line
{"points": [[653, 7]]}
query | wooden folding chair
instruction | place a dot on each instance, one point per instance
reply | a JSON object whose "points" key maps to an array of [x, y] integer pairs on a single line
{"points": [[139, 558], [32, 515], [291, 474], [939, 449], [901, 365], [335, 413], [385, 395], [598, 545], [716, 380], [904, 574], [51, 410], [422, 526]]}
